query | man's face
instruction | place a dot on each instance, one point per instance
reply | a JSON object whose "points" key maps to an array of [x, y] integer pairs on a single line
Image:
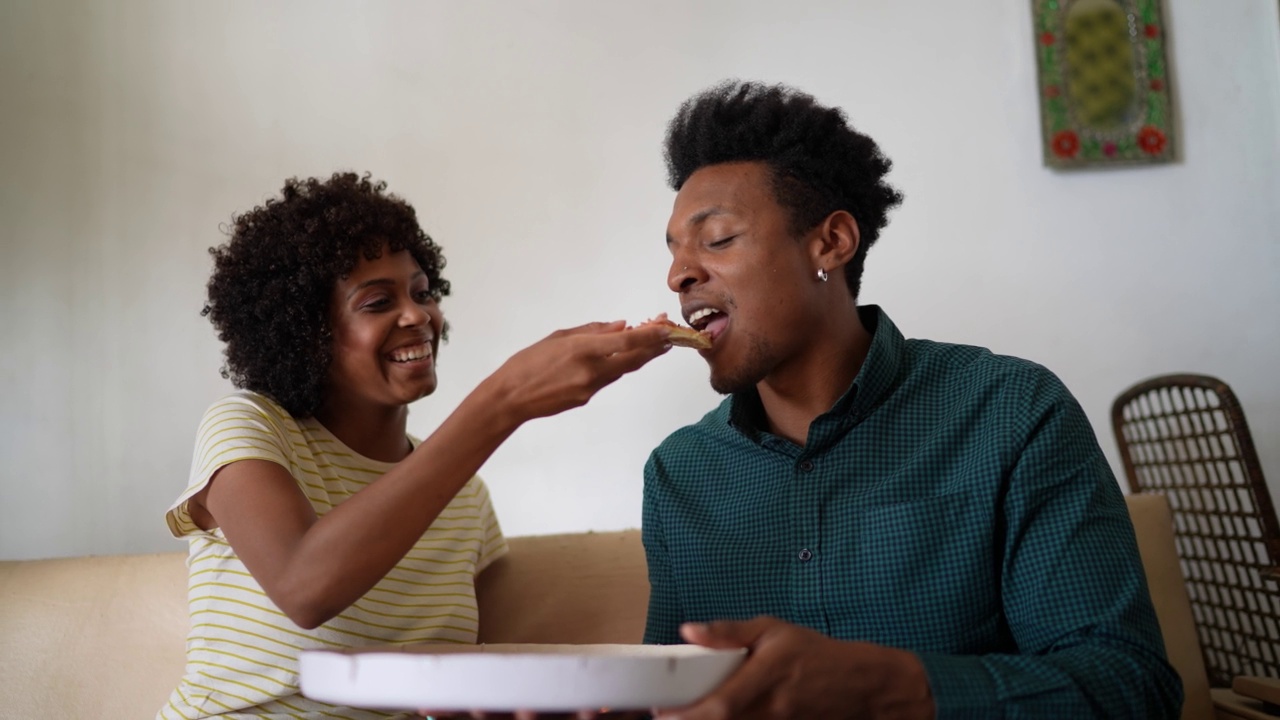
{"points": [[741, 274]]}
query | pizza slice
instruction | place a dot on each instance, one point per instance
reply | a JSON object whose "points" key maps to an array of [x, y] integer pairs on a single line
{"points": [[681, 335]]}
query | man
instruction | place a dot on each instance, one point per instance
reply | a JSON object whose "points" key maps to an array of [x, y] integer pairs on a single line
{"points": [[894, 528]]}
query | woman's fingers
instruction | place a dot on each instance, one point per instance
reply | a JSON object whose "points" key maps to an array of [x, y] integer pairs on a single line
{"points": [[591, 328], [653, 337], [625, 351], [565, 370]]}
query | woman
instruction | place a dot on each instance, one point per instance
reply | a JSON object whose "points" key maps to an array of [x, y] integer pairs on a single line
{"points": [[314, 521]]}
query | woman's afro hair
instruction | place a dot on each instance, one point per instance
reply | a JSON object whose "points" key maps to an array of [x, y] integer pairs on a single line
{"points": [[272, 284]]}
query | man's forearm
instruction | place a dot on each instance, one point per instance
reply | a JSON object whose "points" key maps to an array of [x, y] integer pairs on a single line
{"points": [[1091, 680]]}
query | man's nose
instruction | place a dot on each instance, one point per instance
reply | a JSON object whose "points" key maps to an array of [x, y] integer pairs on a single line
{"points": [[683, 274]]}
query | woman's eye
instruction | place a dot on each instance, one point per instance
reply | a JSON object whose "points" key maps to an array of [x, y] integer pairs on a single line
{"points": [[425, 295], [376, 304], [722, 242]]}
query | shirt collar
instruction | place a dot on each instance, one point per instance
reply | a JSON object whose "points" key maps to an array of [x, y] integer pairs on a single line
{"points": [[882, 368], [878, 375]]}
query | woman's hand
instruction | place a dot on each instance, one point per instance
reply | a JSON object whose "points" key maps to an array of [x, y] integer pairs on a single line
{"points": [[568, 367]]}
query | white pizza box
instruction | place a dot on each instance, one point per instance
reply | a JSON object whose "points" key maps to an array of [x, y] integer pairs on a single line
{"points": [[509, 677]]}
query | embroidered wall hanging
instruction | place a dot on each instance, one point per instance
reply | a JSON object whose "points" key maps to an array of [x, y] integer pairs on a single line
{"points": [[1103, 82]]}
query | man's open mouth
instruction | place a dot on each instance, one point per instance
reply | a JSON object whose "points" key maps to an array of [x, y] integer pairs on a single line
{"points": [[710, 320]]}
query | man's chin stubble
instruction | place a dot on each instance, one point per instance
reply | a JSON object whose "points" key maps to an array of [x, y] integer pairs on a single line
{"points": [[753, 371]]}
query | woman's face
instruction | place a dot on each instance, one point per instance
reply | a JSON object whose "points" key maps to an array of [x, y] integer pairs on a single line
{"points": [[386, 331]]}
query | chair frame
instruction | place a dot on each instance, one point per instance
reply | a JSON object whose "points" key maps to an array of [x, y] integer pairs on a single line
{"points": [[1185, 436]]}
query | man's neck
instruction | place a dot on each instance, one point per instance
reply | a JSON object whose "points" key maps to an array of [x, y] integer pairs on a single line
{"points": [[794, 395], [377, 433]]}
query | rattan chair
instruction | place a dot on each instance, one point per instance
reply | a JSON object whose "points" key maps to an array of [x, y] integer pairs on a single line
{"points": [[1185, 436]]}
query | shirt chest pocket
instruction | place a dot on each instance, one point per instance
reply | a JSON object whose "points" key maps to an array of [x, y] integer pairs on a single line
{"points": [[909, 573]]}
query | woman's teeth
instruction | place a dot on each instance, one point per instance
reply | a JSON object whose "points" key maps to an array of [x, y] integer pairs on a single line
{"points": [[409, 354]]}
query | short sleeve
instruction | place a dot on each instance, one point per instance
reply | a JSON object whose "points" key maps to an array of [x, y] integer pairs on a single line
{"points": [[495, 543], [237, 427]]}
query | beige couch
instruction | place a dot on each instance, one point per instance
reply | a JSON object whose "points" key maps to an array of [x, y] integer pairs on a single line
{"points": [[102, 637]]}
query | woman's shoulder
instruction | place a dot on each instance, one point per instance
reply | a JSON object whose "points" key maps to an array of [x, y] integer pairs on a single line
{"points": [[245, 412], [249, 403], [249, 399]]}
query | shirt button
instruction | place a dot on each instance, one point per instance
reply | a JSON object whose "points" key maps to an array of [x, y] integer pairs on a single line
{"points": [[806, 555], [806, 465]]}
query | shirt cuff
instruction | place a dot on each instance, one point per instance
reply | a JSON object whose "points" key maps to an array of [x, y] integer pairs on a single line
{"points": [[962, 686]]}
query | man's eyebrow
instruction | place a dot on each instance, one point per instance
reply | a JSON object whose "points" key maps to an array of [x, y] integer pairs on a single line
{"points": [[701, 216]]}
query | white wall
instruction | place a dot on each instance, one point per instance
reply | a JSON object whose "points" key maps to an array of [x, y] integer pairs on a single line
{"points": [[528, 135]]}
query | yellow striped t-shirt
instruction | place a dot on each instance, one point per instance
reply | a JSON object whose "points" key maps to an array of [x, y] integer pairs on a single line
{"points": [[242, 650]]}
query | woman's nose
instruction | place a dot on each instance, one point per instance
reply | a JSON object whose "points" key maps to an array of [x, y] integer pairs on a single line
{"points": [[413, 314]]}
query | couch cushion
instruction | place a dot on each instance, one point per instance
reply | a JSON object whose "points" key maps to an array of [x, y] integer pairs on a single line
{"points": [[579, 588], [93, 637]]}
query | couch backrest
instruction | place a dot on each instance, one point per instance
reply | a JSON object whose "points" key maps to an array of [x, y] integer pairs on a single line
{"points": [[91, 637], [103, 637], [580, 588]]}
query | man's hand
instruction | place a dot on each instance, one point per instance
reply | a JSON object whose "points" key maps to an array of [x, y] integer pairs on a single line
{"points": [[528, 715], [792, 672]]}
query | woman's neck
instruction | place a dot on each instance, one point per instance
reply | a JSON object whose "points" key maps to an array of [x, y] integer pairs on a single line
{"points": [[377, 433]]}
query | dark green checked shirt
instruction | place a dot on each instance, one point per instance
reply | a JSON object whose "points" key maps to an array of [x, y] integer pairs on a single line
{"points": [[953, 502]]}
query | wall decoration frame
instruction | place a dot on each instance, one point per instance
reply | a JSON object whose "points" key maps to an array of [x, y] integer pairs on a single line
{"points": [[1104, 82]]}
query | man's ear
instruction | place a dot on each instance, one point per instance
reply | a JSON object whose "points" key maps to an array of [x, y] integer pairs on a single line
{"points": [[836, 242]]}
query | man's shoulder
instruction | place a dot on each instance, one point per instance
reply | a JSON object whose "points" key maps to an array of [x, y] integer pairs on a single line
{"points": [[1009, 387], [972, 364], [713, 429]]}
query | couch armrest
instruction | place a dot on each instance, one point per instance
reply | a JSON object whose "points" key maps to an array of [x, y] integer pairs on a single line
{"points": [[1153, 524], [1230, 705], [1250, 698]]}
